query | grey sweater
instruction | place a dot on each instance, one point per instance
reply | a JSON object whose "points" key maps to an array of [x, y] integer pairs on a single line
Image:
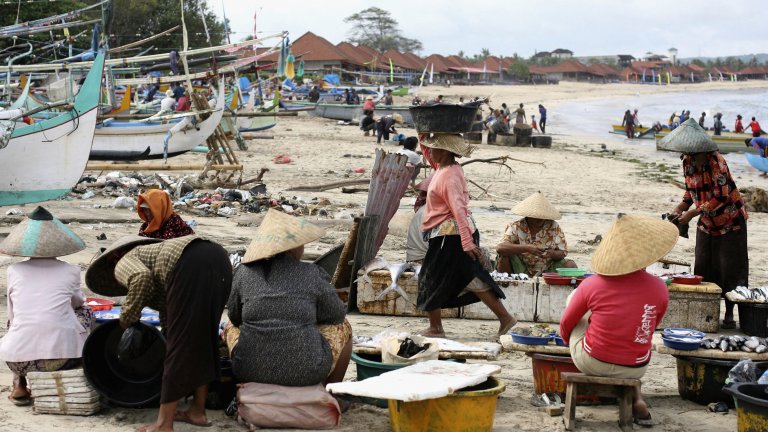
{"points": [[278, 318]]}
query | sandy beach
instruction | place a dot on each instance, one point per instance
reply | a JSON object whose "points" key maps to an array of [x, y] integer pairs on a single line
{"points": [[588, 185]]}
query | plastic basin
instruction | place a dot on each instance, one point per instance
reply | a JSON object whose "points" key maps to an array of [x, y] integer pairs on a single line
{"points": [[444, 118], [469, 409], [547, 378], [370, 365], [751, 405], [573, 272], [130, 384], [530, 340], [99, 304], [679, 343], [753, 318], [701, 380]]}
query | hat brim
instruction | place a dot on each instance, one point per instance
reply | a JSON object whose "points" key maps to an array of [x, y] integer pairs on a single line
{"points": [[100, 276], [279, 233], [41, 239], [633, 243], [449, 142]]}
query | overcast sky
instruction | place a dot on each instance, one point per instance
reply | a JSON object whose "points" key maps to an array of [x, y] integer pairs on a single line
{"points": [[586, 27]]}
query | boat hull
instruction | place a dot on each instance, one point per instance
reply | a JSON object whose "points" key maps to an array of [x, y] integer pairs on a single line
{"points": [[345, 112], [727, 143]]}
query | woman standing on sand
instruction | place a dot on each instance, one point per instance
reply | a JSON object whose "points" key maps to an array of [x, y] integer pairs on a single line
{"points": [[452, 274]]}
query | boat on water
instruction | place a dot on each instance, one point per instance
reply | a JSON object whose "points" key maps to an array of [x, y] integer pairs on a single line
{"points": [[128, 140], [758, 162], [346, 112], [640, 131], [44, 160], [728, 142]]}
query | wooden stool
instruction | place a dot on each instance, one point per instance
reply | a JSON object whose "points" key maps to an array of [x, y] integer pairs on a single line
{"points": [[623, 389]]}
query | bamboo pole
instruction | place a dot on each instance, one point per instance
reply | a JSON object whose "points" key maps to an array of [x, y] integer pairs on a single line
{"points": [[158, 167]]}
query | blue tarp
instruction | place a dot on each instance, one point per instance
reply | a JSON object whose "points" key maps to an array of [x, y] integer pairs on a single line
{"points": [[332, 79], [244, 83]]}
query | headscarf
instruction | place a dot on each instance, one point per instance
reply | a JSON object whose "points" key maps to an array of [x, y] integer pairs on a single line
{"points": [[159, 205]]}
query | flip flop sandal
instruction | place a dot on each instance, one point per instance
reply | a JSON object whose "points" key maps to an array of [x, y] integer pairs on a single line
{"points": [[644, 422], [22, 401]]}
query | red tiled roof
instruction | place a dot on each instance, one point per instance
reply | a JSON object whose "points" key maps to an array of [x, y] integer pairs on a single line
{"points": [[680, 70], [354, 54], [312, 47], [439, 61], [601, 69], [695, 68], [568, 66], [754, 70], [398, 60], [537, 70], [415, 60], [456, 61]]}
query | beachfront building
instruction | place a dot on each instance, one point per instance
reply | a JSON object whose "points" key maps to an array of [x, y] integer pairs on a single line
{"points": [[754, 72], [562, 54]]}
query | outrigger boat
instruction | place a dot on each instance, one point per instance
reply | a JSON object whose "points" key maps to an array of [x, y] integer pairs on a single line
{"points": [[728, 142], [44, 160], [346, 112]]}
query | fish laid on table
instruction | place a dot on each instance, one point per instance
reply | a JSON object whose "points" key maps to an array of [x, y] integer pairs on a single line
{"points": [[374, 264], [395, 270]]}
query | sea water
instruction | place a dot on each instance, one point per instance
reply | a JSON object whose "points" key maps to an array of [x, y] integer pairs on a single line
{"points": [[595, 117]]}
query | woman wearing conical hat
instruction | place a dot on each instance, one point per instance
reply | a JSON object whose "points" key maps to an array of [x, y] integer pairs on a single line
{"points": [[289, 325], [188, 280], [47, 316], [534, 243], [610, 318], [712, 195], [453, 274]]}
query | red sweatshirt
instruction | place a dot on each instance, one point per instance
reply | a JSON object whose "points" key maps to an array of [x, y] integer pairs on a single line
{"points": [[625, 312]]}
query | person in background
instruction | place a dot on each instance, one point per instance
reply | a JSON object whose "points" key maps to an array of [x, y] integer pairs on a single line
{"points": [[415, 246], [314, 94], [386, 125], [683, 116], [160, 221], [367, 124], [151, 93], [505, 112], [355, 97], [414, 159], [608, 322], [701, 120], [760, 144], [388, 99], [168, 104], [48, 320], [178, 91], [755, 126], [520, 115], [542, 118], [635, 118], [347, 99], [288, 325], [718, 125], [184, 104], [439, 98], [629, 124], [738, 127], [455, 270], [534, 126], [535, 243], [369, 106], [188, 280], [721, 253]]}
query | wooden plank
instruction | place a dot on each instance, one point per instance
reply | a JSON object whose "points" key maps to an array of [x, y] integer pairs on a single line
{"points": [[158, 167], [578, 377], [710, 353], [508, 345]]}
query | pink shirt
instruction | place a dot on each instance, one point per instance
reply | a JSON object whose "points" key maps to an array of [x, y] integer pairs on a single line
{"points": [[448, 198], [42, 295], [625, 309], [368, 105]]}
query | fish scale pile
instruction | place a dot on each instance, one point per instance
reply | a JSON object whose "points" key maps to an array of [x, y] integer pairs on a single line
{"points": [[755, 293], [736, 343]]}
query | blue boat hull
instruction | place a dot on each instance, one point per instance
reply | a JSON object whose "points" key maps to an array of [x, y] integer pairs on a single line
{"points": [[8, 198]]}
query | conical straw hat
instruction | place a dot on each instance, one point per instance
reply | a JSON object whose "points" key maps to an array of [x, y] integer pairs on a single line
{"points": [[450, 142], [41, 235], [536, 206], [633, 243], [100, 276], [688, 138], [280, 232]]}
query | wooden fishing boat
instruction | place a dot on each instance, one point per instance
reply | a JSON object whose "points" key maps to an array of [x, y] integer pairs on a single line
{"points": [[728, 142], [757, 161], [346, 112], [44, 160], [124, 140]]}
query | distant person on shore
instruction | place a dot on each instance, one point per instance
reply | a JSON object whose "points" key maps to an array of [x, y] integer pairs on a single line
{"points": [[701, 120], [718, 126], [314, 94], [542, 118], [439, 99], [388, 99], [386, 125], [520, 115], [505, 111], [347, 100], [184, 103], [760, 144], [636, 118], [355, 97], [629, 124], [414, 159], [755, 126], [367, 124], [534, 126], [738, 127], [368, 106]]}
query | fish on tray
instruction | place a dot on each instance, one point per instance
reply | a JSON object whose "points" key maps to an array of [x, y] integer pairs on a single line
{"points": [[395, 270], [374, 264]]}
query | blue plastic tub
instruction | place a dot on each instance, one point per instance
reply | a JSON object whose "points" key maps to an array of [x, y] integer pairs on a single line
{"points": [[684, 332], [679, 343], [530, 340]]}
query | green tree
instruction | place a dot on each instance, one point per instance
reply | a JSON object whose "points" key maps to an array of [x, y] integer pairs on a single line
{"points": [[376, 28], [519, 69]]}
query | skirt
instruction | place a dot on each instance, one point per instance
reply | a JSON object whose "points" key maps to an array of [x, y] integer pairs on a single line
{"points": [[723, 259], [446, 271], [196, 293]]}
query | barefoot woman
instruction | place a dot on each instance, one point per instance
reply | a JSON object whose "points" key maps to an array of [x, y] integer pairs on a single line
{"points": [[452, 274]]}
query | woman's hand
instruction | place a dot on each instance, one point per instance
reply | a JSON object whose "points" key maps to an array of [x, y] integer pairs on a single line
{"points": [[554, 254], [535, 250], [687, 216], [680, 208], [474, 253]]}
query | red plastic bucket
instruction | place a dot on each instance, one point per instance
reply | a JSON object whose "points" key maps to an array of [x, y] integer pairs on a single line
{"points": [[547, 377]]}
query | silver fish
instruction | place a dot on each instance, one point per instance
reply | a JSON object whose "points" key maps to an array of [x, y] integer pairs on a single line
{"points": [[724, 345], [374, 264], [395, 270], [761, 349], [752, 343], [416, 270]]}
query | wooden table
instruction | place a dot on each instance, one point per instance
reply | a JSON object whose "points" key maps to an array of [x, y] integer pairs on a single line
{"points": [[491, 351], [551, 349], [710, 353]]}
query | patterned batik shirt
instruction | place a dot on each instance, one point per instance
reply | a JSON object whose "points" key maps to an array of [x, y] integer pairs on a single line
{"points": [[144, 272], [550, 236], [714, 192]]}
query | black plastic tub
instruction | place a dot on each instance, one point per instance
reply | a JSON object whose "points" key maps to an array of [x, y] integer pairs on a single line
{"points": [[753, 319], [701, 380], [444, 118], [129, 384], [751, 405]]}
